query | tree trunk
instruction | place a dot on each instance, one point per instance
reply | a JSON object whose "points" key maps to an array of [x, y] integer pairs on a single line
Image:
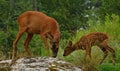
{"points": [[35, 5]]}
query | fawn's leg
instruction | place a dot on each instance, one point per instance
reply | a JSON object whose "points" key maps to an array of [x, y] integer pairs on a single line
{"points": [[88, 52], [104, 51], [111, 50], [28, 39]]}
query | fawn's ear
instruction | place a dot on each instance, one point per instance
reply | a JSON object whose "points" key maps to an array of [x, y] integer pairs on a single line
{"points": [[70, 43]]}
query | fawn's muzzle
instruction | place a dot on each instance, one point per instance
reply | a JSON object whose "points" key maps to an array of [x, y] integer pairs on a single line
{"points": [[63, 54]]}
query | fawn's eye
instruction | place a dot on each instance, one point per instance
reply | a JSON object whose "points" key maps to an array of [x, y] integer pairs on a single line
{"points": [[65, 50]]}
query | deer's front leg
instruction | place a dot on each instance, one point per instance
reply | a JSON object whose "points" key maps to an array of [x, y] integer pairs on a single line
{"points": [[88, 52], [20, 33], [43, 36]]}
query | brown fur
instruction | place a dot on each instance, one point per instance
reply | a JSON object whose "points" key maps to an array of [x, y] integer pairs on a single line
{"points": [[33, 22], [87, 41]]}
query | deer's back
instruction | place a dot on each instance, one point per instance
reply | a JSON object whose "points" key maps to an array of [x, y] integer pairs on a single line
{"points": [[93, 38], [37, 22]]}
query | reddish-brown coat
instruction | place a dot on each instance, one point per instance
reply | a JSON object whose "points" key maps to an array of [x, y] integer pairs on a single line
{"points": [[33, 22]]}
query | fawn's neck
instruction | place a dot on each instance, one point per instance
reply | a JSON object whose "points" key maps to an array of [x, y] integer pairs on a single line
{"points": [[78, 46]]}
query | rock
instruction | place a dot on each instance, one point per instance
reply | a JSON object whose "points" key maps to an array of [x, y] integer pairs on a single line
{"points": [[38, 64], [4, 65]]}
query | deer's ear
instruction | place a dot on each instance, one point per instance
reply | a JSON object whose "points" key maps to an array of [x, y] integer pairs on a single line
{"points": [[70, 43]]}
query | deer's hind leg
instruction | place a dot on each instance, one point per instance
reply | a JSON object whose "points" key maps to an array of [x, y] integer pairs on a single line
{"points": [[111, 50], [20, 33], [28, 39], [104, 51]]}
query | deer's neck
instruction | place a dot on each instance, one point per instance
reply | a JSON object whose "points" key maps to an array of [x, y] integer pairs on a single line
{"points": [[78, 46]]}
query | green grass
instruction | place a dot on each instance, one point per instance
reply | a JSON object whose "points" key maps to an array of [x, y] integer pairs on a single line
{"points": [[109, 67]]}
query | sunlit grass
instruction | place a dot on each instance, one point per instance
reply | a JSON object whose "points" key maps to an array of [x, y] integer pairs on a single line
{"points": [[109, 67]]}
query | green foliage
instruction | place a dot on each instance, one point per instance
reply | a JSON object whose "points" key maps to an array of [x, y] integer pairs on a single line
{"points": [[69, 13], [110, 6], [109, 67]]}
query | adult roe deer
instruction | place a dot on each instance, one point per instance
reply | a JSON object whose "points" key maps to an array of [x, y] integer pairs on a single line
{"points": [[87, 41], [33, 22]]}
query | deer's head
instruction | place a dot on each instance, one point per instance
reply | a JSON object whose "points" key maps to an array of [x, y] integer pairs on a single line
{"points": [[69, 49], [54, 42]]}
